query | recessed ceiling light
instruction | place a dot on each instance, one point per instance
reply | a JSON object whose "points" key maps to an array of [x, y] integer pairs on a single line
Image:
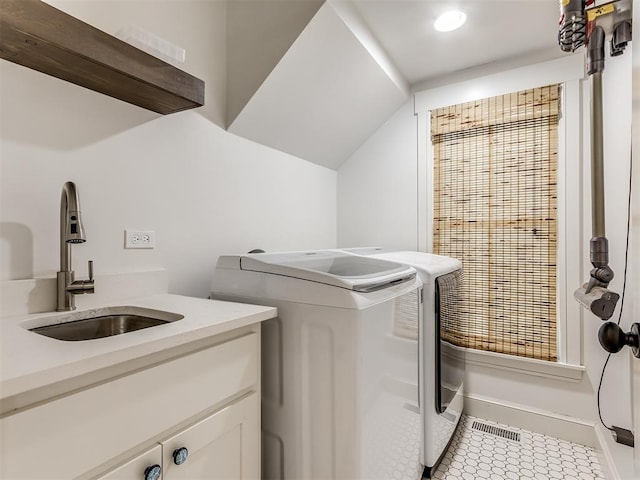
{"points": [[450, 20]]}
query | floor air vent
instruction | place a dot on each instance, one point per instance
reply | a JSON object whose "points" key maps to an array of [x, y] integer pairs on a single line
{"points": [[498, 431]]}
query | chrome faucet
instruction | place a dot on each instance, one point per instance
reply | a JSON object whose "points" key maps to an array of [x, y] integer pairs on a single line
{"points": [[71, 231]]}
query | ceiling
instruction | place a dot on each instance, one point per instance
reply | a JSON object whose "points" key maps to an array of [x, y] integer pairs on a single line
{"points": [[349, 64], [495, 30]]}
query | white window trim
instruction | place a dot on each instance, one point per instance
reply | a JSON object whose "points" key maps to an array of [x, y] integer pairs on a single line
{"points": [[568, 71], [528, 366]]}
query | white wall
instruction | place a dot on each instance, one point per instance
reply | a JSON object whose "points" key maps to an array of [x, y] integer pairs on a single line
{"points": [[204, 191], [377, 187], [368, 207]]}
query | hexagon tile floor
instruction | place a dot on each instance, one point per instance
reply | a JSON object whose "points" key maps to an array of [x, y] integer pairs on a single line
{"points": [[474, 454]]}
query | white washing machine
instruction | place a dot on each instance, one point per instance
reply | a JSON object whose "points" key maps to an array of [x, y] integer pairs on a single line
{"points": [[441, 362], [339, 379]]}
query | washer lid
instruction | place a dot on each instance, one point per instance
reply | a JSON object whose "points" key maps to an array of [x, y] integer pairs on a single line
{"points": [[427, 264], [340, 269]]}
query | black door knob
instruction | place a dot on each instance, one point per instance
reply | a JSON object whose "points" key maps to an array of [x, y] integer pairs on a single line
{"points": [[153, 472], [613, 339], [180, 455]]}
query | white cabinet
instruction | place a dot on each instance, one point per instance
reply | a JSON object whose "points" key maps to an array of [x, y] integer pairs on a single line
{"points": [[135, 469], [222, 446], [207, 400]]}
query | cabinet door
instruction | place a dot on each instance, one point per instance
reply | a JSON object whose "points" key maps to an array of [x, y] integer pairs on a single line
{"points": [[136, 468], [225, 445], [132, 410]]}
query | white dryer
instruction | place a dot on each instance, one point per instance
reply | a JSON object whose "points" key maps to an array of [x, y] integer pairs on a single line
{"points": [[441, 362], [339, 394]]}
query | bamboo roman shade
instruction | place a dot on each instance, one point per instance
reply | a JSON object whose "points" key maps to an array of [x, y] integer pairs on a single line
{"points": [[495, 202]]}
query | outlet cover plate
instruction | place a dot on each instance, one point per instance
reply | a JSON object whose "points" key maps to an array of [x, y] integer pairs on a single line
{"points": [[139, 238]]}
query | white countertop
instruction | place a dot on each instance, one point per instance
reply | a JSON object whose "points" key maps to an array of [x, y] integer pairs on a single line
{"points": [[31, 362]]}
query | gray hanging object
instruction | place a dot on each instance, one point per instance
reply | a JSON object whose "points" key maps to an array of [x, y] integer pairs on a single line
{"points": [[594, 295]]}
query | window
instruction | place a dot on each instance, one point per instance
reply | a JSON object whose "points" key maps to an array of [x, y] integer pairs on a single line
{"points": [[495, 209]]}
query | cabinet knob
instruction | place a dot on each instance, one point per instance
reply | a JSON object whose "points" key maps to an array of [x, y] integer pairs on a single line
{"points": [[153, 472], [180, 455]]}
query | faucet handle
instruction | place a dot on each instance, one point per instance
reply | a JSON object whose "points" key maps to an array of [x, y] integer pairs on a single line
{"points": [[91, 270]]}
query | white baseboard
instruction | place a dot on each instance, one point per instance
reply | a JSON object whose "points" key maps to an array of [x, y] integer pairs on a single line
{"points": [[540, 421]]}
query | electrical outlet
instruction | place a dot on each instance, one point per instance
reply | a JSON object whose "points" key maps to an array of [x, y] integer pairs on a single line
{"points": [[139, 238]]}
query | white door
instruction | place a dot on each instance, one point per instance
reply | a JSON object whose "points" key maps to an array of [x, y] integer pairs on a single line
{"points": [[635, 247], [135, 469], [636, 409], [225, 445]]}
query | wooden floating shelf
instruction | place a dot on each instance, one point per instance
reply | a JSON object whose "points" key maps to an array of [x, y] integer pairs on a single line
{"points": [[41, 37]]}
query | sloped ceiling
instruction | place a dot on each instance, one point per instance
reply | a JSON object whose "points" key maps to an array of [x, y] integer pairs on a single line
{"points": [[259, 33], [326, 94], [316, 78]]}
